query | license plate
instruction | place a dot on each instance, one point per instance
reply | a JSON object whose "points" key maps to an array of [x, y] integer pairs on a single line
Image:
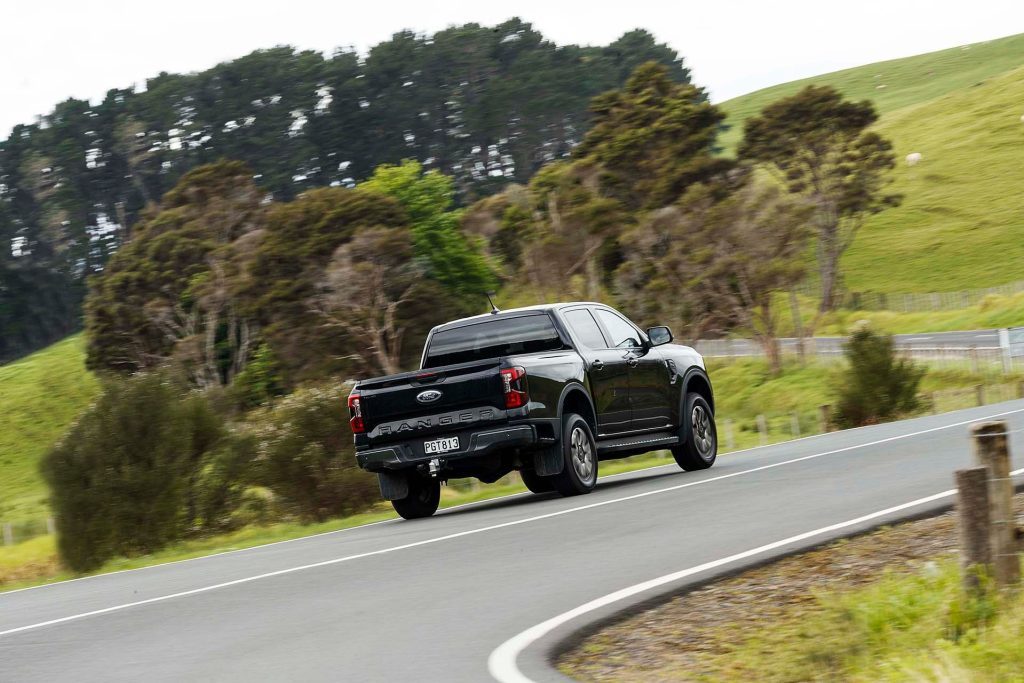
{"points": [[441, 445]]}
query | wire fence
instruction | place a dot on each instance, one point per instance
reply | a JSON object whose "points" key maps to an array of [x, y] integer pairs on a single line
{"points": [[989, 361]]}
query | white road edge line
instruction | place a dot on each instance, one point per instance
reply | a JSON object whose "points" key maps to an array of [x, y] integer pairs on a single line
{"points": [[493, 527], [502, 662]]}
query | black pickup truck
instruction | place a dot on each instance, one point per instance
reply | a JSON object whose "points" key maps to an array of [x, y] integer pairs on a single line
{"points": [[547, 390]]}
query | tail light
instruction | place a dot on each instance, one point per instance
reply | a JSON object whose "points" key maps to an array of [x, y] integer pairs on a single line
{"points": [[514, 382], [355, 411]]}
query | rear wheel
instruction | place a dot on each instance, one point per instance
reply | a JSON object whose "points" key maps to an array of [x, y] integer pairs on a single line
{"points": [[423, 499], [579, 475], [534, 482], [699, 446]]}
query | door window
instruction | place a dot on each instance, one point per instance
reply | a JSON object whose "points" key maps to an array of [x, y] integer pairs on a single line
{"points": [[623, 334], [585, 327]]}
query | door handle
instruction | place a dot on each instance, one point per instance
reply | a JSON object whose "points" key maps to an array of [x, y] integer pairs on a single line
{"points": [[632, 361], [597, 365]]}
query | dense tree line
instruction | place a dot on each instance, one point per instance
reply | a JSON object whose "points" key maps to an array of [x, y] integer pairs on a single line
{"points": [[483, 105]]}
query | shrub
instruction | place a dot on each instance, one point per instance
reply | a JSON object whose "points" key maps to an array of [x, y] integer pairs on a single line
{"points": [[220, 481], [118, 478], [260, 381], [877, 385], [305, 456]]}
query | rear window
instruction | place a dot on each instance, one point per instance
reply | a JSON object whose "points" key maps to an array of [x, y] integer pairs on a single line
{"points": [[491, 339]]}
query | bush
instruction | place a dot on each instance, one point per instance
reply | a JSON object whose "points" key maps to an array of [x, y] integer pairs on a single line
{"points": [[220, 481], [305, 456], [260, 381], [119, 476], [877, 385]]}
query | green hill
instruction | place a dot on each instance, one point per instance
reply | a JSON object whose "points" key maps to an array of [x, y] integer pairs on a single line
{"points": [[961, 224], [39, 396]]}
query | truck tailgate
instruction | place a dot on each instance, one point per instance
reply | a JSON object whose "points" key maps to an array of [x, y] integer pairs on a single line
{"points": [[432, 401]]}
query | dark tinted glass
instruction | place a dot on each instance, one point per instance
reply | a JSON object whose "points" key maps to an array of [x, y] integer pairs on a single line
{"points": [[586, 328], [491, 339], [623, 334]]}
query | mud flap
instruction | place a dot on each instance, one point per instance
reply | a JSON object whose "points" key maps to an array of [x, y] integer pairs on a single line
{"points": [[548, 461], [393, 485]]}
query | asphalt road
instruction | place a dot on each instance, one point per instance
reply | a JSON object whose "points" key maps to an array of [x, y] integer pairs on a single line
{"points": [[432, 599]]}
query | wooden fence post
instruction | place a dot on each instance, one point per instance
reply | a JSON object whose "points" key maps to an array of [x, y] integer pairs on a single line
{"points": [[974, 359], [991, 450], [762, 428], [794, 425], [825, 415], [973, 527], [51, 526], [8, 534], [730, 442], [979, 390], [1020, 389], [935, 402]]}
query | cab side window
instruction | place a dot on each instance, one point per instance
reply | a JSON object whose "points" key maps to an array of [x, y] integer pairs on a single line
{"points": [[623, 334], [586, 328]]}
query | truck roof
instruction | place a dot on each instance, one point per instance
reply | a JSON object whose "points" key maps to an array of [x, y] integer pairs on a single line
{"points": [[513, 311]]}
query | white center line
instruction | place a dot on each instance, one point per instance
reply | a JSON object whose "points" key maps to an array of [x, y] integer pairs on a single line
{"points": [[480, 530]]}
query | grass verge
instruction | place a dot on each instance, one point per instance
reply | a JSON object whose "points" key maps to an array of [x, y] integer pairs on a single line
{"points": [[882, 606]]}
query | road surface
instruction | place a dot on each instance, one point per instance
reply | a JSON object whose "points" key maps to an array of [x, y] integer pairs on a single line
{"points": [[436, 599]]}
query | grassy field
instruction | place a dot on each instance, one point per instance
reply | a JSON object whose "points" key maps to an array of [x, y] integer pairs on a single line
{"points": [[907, 82], [961, 224], [39, 397]]}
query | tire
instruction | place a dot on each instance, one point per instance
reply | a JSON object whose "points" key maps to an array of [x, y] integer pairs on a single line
{"points": [[699, 447], [579, 451], [534, 482], [423, 499]]}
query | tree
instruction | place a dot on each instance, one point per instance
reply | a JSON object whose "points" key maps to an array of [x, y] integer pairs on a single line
{"points": [[369, 283], [169, 291], [437, 240], [818, 145], [653, 138], [572, 226], [713, 263], [284, 275], [485, 105]]}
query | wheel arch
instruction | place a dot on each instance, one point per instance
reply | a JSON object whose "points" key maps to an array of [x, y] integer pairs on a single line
{"points": [[576, 399], [697, 382]]}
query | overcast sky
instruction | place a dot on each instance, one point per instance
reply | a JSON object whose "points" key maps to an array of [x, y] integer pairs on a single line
{"points": [[55, 49]]}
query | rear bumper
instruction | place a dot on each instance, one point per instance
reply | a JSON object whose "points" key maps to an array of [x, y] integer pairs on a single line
{"points": [[407, 454]]}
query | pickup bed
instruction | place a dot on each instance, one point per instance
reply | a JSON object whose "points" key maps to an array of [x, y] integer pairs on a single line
{"points": [[547, 390]]}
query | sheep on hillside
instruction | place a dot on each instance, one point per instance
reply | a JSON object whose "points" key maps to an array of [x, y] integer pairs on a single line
{"points": [[914, 158]]}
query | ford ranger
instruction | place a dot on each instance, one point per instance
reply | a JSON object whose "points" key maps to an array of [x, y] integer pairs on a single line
{"points": [[547, 390]]}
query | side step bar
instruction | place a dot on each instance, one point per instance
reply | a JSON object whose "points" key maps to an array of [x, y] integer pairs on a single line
{"points": [[651, 441]]}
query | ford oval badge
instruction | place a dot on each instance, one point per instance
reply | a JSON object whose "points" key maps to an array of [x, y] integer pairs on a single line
{"points": [[428, 396]]}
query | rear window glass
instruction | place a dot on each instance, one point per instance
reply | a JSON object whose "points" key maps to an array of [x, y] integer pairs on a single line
{"points": [[491, 339]]}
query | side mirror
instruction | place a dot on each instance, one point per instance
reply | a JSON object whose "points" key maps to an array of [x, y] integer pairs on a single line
{"points": [[659, 335]]}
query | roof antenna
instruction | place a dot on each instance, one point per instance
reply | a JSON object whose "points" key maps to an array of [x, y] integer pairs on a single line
{"points": [[494, 309]]}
